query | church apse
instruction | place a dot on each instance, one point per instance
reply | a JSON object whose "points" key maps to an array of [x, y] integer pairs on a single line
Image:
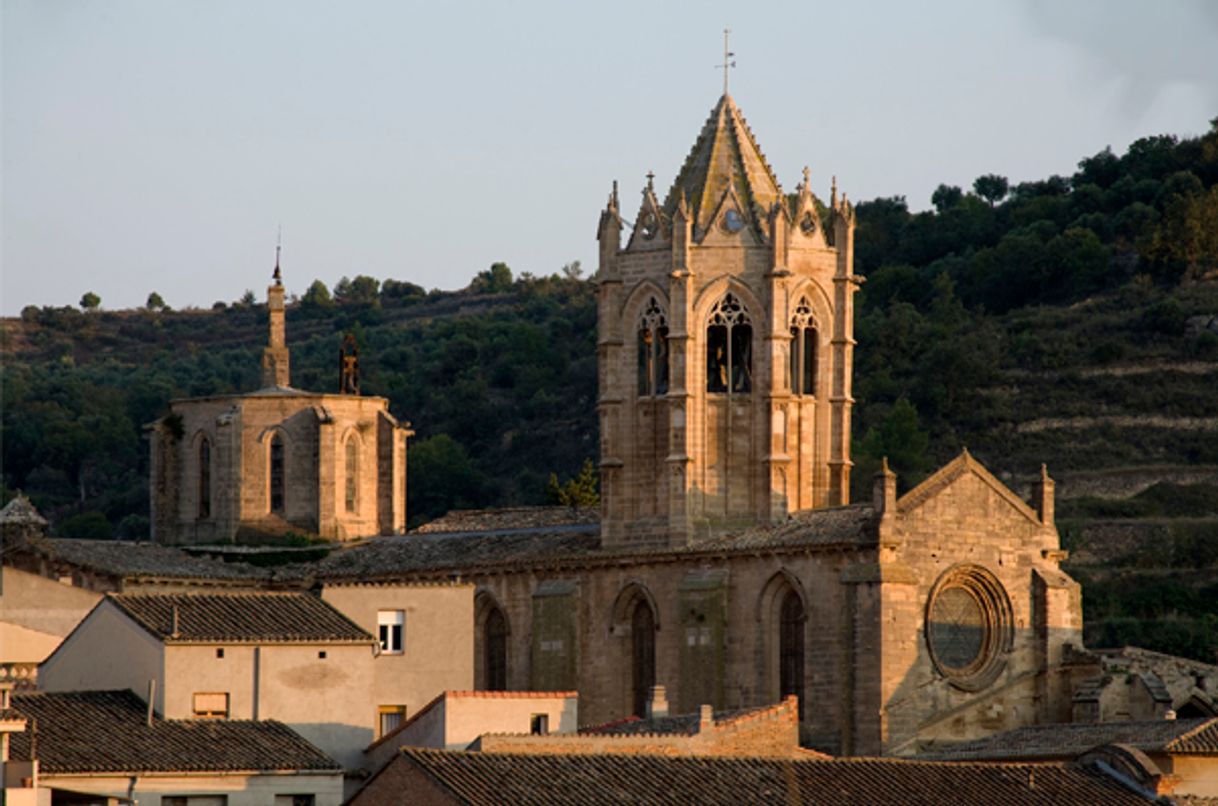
{"points": [[276, 460], [725, 337]]}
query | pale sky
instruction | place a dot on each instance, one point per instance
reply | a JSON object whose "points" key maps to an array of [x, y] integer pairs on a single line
{"points": [[158, 145]]}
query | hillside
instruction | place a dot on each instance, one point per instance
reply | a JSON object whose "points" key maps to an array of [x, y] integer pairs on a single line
{"points": [[1072, 321]]}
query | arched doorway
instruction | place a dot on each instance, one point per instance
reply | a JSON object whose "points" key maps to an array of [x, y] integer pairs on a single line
{"points": [[494, 650], [791, 620], [643, 656]]}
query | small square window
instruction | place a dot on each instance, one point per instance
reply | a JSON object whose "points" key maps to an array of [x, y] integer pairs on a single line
{"points": [[321, 654], [390, 718], [391, 628], [539, 724], [220, 652]]}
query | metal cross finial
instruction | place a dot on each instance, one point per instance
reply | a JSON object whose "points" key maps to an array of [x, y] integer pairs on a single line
{"points": [[728, 61]]}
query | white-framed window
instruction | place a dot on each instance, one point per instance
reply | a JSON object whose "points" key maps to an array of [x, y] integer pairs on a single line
{"points": [[391, 629]]}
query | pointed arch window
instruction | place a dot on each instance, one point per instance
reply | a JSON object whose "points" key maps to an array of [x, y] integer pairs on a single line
{"points": [[729, 348], [204, 478], [351, 493], [494, 650], [653, 351], [276, 473], [791, 621], [643, 656], [804, 340]]}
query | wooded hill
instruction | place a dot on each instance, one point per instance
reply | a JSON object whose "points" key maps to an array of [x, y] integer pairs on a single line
{"points": [[1071, 321]]}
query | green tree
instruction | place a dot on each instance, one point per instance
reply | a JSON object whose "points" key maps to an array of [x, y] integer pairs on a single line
{"points": [[495, 280], [573, 270], [946, 197], [991, 187], [900, 437], [443, 477], [155, 302], [316, 299], [578, 492], [86, 526], [90, 301]]}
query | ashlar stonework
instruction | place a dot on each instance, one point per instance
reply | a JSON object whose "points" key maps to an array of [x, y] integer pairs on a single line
{"points": [[233, 467]]}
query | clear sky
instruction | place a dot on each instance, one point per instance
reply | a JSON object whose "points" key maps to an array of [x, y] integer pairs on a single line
{"points": [[157, 145]]}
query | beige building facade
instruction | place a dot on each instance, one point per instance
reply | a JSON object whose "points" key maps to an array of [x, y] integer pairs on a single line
{"points": [[278, 460]]}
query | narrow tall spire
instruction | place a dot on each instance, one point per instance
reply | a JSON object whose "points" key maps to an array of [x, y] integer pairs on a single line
{"points": [[275, 358]]}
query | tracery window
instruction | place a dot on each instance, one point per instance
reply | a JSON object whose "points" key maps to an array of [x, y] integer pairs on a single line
{"points": [[276, 473], [791, 648], [495, 650], [729, 348], [352, 474], [653, 351], [803, 349], [205, 478], [643, 655]]}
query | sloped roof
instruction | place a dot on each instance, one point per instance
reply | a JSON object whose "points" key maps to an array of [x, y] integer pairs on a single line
{"points": [[963, 465], [479, 520], [571, 545], [490, 778], [239, 617], [133, 560], [108, 732], [679, 724], [1184, 736], [724, 156], [21, 511]]}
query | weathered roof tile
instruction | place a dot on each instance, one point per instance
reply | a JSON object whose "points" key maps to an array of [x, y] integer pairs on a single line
{"points": [[108, 732]]}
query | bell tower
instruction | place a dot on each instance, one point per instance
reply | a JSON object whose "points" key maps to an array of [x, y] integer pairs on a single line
{"points": [[725, 348]]}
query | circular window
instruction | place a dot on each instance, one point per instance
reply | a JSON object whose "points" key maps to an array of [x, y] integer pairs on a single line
{"points": [[733, 221], [969, 626]]}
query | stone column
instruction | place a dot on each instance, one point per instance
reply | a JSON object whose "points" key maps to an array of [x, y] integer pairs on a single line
{"points": [[778, 497], [842, 349]]}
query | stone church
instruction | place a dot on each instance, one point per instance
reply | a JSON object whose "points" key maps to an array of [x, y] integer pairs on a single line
{"points": [[727, 563], [233, 467]]}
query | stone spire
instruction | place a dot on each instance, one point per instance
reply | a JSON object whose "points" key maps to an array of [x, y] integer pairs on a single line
{"points": [[275, 360], [725, 158]]}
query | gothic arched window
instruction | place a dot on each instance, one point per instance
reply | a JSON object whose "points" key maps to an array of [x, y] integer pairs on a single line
{"points": [[803, 349], [494, 649], [643, 655], [205, 478], [791, 648], [276, 473], [653, 351], [729, 348], [352, 474]]}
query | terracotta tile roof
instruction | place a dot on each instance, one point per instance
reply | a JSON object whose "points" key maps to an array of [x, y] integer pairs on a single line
{"points": [[127, 560], [488, 520], [489, 778], [107, 732], [1194, 736], [681, 724], [574, 545], [240, 617]]}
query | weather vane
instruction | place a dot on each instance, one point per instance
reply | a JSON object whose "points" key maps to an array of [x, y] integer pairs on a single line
{"points": [[728, 61]]}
